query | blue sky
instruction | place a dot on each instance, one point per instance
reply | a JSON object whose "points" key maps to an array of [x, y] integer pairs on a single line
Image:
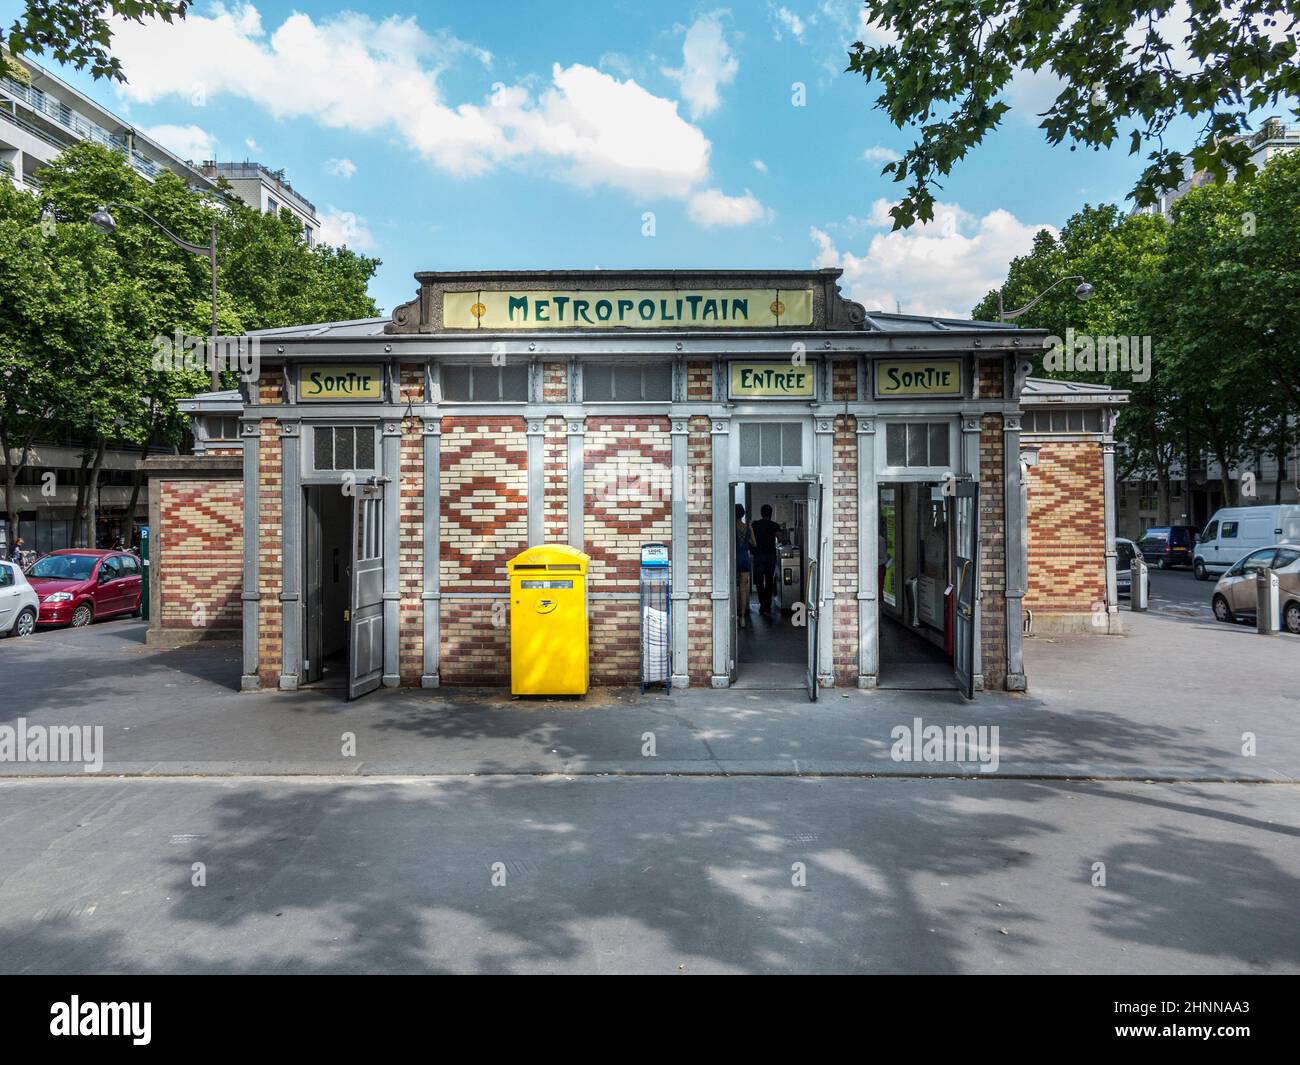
{"points": [[513, 135]]}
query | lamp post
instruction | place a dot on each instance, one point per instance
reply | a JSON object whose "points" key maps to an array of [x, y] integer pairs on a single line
{"points": [[1083, 291], [106, 223]]}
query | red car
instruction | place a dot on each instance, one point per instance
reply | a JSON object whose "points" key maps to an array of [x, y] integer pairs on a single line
{"points": [[77, 585]]}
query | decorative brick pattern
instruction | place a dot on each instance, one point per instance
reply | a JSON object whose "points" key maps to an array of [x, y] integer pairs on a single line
{"points": [[412, 384], [199, 554], [844, 544], [992, 378], [270, 552], [699, 381], [270, 388], [410, 534], [627, 496], [699, 551], [844, 380], [555, 382], [993, 550], [1067, 506], [484, 514], [555, 482]]}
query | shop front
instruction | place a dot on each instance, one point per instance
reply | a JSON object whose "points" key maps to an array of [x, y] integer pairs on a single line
{"points": [[392, 468]]}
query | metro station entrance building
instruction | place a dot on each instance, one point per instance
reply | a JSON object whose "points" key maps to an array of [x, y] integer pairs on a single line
{"points": [[392, 468]]}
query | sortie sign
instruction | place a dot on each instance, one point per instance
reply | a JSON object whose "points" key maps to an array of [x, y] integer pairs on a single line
{"points": [[771, 380], [318, 384], [915, 377], [625, 308]]}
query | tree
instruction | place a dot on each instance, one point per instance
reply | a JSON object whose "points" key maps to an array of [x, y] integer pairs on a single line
{"points": [[945, 67], [78, 31]]}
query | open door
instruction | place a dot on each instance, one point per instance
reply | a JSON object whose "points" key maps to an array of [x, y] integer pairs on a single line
{"points": [[963, 532], [366, 615], [813, 581], [313, 652]]}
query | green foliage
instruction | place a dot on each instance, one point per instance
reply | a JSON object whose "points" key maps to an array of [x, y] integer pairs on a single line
{"points": [[77, 31], [951, 64]]}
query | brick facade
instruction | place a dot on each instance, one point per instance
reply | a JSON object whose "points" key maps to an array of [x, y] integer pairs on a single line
{"points": [[200, 559], [1067, 507], [993, 554]]}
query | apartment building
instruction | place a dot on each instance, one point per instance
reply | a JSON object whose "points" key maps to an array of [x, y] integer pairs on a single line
{"points": [[268, 190]]}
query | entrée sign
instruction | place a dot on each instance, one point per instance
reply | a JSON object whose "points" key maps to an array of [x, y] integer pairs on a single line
{"points": [[628, 309], [770, 380]]}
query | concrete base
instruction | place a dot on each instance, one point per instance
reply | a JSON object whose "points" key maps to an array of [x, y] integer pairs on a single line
{"points": [[288, 682], [1075, 623], [250, 683], [679, 681], [430, 680], [868, 680], [391, 680], [1017, 682], [717, 681], [189, 637]]}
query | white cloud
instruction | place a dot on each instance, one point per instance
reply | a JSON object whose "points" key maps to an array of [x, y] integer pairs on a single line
{"points": [[350, 72], [940, 268], [343, 168], [189, 142], [251, 144], [341, 228], [708, 63], [760, 166], [714, 208], [880, 154], [792, 22]]}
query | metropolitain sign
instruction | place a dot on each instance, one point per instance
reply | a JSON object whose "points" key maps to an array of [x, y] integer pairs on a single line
{"points": [[628, 309]]}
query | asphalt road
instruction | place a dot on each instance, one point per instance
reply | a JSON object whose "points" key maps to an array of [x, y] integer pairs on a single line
{"points": [[651, 874]]}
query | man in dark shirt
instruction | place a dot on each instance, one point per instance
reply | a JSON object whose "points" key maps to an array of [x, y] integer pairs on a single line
{"points": [[766, 532]]}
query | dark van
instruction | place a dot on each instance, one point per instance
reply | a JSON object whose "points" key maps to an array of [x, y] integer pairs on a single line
{"points": [[1165, 546]]}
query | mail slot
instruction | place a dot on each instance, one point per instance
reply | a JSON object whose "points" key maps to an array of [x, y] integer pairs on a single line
{"points": [[548, 621]]}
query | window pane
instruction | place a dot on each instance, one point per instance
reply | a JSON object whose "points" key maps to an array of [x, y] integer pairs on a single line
{"points": [[938, 444], [895, 444], [659, 381], [455, 383], [485, 384], [627, 383], [749, 445], [597, 382], [323, 447], [792, 444], [514, 383], [1092, 421], [917, 449], [1076, 421], [769, 452], [365, 448], [1058, 421], [344, 456]]}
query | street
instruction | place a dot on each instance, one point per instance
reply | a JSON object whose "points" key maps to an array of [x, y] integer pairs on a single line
{"points": [[472, 832]]}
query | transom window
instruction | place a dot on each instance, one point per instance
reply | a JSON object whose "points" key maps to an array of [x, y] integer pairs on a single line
{"points": [[485, 384], [771, 444], [370, 528], [343, 447], [1063, 420], [919, 444], [627, 382]]}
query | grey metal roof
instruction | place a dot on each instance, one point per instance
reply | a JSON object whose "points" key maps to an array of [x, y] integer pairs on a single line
{"points": [[912, 323], [357, 327], [1048, 389]]}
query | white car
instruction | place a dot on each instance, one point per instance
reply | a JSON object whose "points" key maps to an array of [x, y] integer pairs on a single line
{"points": [[19, 603]]}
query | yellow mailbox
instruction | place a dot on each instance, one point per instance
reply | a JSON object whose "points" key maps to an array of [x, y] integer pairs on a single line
{"points": [[548, 621]]}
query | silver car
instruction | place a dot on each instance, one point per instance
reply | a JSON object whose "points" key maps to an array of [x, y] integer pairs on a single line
{"points": [[19, 604], [1125, 552], [1235, 596]]}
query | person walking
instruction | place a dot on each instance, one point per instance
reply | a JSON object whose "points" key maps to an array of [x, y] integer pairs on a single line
{"points": [[744, 567], [766, 533]]}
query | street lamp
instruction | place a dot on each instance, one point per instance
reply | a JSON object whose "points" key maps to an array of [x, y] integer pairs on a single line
{"points": [[1083, 291], [106, 223]]}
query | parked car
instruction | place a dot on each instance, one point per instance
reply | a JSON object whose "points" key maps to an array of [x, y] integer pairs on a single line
{"points": [[1235, 531], [1235, 595], [1125, 552], [19, 604], [78, 585], [1165, 546]]}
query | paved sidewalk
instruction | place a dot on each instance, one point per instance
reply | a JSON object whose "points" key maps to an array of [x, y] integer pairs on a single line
{"points": [[1170, 701]]}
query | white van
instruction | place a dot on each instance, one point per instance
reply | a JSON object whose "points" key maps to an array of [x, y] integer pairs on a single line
{"points": [[1236, 531]]}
